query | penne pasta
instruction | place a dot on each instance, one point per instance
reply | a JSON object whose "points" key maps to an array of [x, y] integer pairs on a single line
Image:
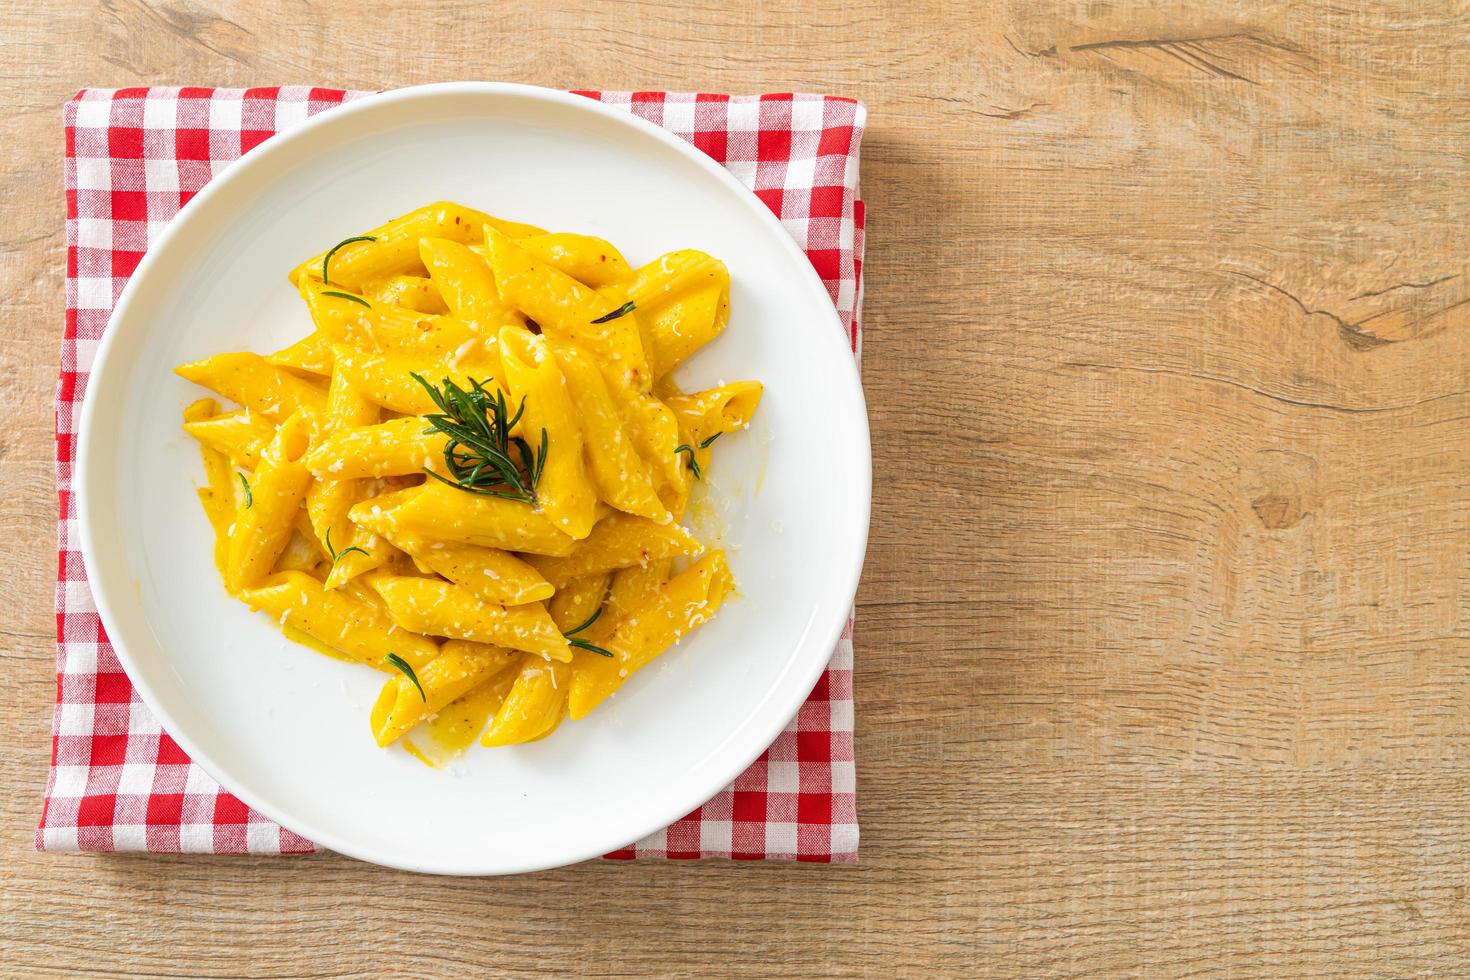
{"points": [[567, 311], [491, 574], [715, 411], [252, 381], [655, 433], [381, 328], [591, 261], [468, 473], [683, 302], [388, 379], [681, 605], [619, 473], [393, 448], [310, 355], [344, 621], [218, 494], [332, 494], [565, 493], [460, 667], [535, 703], [705, 416], [618, 541], [416, 293], [237, 435], [466, 283], [439, 608], [442, 512], [392, 248], [263, 525]]}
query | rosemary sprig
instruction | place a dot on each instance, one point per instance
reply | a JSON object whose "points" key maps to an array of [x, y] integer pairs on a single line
{"points": [[623, 310], [336, 556], [403, 666], [355, 299], [249, 497], [582, 644], [478, 454], [333, 251], [694, 463]]}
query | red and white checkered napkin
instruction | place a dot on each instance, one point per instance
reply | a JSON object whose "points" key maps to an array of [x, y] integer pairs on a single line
{"points": [[133, 158]]}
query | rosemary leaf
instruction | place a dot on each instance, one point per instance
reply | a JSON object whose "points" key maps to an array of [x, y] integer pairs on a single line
{"points": [[355, 299], [481, 455], [407, 670], [336, 556], [693, 463], [623, 310], [333, 251], [582, 644]]}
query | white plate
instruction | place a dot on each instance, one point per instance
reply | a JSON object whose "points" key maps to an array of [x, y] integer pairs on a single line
{"points": [[286, 730]]}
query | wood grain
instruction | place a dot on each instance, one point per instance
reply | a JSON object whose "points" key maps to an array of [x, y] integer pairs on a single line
{"points": [[1162, 643]]}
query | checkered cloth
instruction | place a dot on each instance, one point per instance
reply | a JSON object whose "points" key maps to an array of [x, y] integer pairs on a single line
{"points": [[134, 157]]}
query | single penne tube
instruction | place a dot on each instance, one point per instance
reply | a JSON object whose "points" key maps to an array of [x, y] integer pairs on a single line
{"points": [[591, 261], [533, 706], [683, 302], [654, 432], [239, 435], [445, 513], [347, 408], [466, 283], [618, 541], [683, 604], [340, 619], [491, 574], [327, 504], [536, 701], [393, 248], [631, 588], [253, 382], [415, 293], [674, 274], [375, 552], [459, 667], [566, 310], [564, 493], [311, 354], [715, 411], [387, 379], [617, 471], [263, 526], [218, 494], [397, 447], [438, 608], [706, 415], [578, 601], [354, 264]]}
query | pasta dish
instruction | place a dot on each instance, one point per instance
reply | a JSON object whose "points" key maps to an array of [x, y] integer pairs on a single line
{"points": [[472, 473]]}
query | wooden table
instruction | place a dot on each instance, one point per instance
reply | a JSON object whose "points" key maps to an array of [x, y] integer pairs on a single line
{"points": [[1163, 661]]}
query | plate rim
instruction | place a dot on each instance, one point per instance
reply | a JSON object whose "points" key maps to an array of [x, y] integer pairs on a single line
{"points": [[325, 837]]}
